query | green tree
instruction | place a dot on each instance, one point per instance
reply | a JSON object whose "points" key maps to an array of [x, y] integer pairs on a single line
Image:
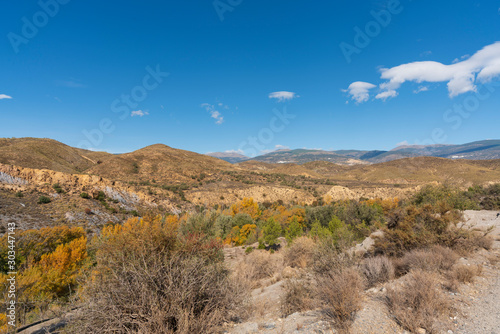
{"points": [[293, 231], [272, 231]]}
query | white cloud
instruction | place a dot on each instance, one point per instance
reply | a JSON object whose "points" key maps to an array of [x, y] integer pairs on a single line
{"points": [[461, 77], [359, 91], [421, 89], [425, 53], [139, 113], [3, 96], [283, 96], [215, 114]]}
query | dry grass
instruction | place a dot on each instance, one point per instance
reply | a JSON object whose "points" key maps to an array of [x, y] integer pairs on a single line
{"points": [[436, 258], [341, 294], [300, 253], [257, 266], [419, 303], [377, 270], [297, 297], [464, 273]]}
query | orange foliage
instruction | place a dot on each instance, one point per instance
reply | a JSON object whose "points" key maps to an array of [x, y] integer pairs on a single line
{"points": [[246, 205], [284, 216]]}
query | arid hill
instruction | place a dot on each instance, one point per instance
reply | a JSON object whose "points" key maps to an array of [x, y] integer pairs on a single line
{"points": [[42, 153]]}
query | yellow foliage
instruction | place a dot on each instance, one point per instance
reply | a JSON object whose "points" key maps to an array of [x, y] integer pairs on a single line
{"points": [[246, 205], [387, 205], [3, 323]]}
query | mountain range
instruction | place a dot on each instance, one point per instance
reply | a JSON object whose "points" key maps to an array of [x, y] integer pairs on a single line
{"points": [[478, 150]]}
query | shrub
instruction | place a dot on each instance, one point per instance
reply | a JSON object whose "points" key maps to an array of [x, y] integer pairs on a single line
{"points": [[149, 279], [300, 253], [248, 250], [44, 200], [241, 219], [436, 258], [415, 227], [297, 297], [223, 225], [293, 231], [419, 303], [378, 270], [84, 195], [58, 188], [272, 231], [341, 293], [464, 273], [88, 211], [256, 266], [19, 194], [327, 257]]}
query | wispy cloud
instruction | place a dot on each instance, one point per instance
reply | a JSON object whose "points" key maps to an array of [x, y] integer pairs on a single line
{"points": [[421, 89], [461, 76], [359, 91], [283, 96], [214, 113], [70, 83], [139, 113], [3, 96]]}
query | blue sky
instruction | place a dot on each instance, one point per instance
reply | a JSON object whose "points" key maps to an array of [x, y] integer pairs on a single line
{"points": [[250, 75]]}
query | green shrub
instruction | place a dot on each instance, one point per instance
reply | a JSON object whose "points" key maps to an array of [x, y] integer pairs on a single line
{"points": [[293, 231], [84, 195], [44, 200], [58, 188], [272, 231], [19, 194]]}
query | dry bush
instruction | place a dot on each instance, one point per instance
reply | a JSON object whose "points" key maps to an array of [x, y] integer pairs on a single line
{"points": [[419, 303], [436, 258], [258, 265], [341, 294], [473, 241], [416, 227], [377, 270], [148, 279], [300, 252], [328, 258], [464, 274], [297, 297]]}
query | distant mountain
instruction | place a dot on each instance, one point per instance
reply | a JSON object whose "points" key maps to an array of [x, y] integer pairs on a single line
{"points": [[480, 150], [301, 156], [231, 157]]}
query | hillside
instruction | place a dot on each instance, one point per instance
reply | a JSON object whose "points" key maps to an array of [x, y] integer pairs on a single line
{"points": [[160, 163], [42, 153], [421, 170]]}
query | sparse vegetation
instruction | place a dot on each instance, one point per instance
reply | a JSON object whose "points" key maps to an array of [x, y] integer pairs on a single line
{"points": [[44, 200], [419, 303]]}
